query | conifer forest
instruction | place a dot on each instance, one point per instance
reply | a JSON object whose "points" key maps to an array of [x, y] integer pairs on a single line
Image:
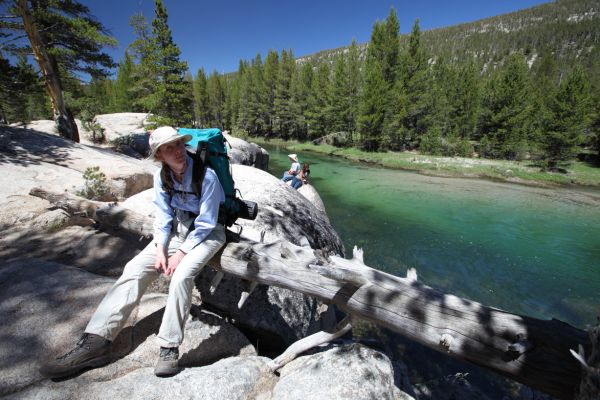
{"points": [[524, 85]]}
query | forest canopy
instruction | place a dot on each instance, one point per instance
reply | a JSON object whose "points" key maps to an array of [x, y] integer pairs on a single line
{"points": [[467, 90]]}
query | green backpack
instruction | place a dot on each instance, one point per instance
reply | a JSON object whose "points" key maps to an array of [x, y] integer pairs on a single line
{"points": [[208, 148]]}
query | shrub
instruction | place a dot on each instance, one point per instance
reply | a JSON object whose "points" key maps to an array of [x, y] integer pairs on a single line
{"points": [[95, 184], [431, 143], [463, 148]]}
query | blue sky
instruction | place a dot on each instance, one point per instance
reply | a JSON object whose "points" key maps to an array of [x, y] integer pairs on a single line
{"points": [[216, 34]]}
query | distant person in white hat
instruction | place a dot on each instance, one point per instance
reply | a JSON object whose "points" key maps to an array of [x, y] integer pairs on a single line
{"points": [[187, 233], [294, 169]]}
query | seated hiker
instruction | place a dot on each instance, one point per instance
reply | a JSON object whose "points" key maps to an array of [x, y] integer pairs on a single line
{"points": [[187, 234], [294, 169], [302, 177]]}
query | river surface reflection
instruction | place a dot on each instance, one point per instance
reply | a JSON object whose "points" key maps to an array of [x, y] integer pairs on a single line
{"points": [[525, 250]]}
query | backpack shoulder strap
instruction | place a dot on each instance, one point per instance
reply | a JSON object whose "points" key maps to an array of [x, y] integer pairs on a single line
{"points": [[199, 169]]}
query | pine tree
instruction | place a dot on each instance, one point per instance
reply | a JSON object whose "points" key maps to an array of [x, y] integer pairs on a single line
{"points": [[451, 117], [96, 99], [339, 112], [416, 86], [267, 94], [144, 74], [372, 107], [319, 103], [64, 38], [232, 100], [251, 118], [12, 105], [21, 96], [391, 48], [216, 100], [189, 94], [123, 83], [354, 86], [301, 89], [571, 112], [201, 108], [380, 130], [283, 113], [438, 137], [506, 112], [174, 106], [244, 114], [594, 139], [465, 101], [372, 104]]}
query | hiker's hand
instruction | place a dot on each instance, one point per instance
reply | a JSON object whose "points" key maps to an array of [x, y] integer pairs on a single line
{"points": [[160, 263], [174, 261]]}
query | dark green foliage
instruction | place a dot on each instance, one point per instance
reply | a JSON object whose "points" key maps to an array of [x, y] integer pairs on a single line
{"points": [[301, 88], [503, 86], [463, 94], [201, 108], [380, 129], [506, 110], [340, 96], [593, 139], [267, 90], [216, 101], [144, 75], [416, 85], [251, 115], [232, 98], [570, 116], [372, 111], [22, 97], [283, 121], [71, 38], [123, 96], [173, 105], [318, 103], [354, 87], [160, 83]]}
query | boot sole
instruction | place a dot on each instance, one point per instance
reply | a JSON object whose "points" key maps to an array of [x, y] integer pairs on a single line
{"points": [[92, 363]]}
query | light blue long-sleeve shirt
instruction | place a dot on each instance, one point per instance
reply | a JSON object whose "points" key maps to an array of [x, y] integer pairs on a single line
{"points": [[207, 208]]}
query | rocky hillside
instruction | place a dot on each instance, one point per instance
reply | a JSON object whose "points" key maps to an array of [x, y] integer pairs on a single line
{"points": [[567, 29]]}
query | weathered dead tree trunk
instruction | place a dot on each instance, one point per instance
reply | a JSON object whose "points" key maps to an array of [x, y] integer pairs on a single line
{"points": [[62, 115], [532, 351], [589, 389], [107, 214]]}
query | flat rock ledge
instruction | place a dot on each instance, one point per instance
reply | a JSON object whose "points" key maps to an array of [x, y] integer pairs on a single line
{"points": [[217, 360]]}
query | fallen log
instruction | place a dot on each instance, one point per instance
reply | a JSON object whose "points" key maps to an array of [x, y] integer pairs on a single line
{"points": [[107, 214], [531, 351]]}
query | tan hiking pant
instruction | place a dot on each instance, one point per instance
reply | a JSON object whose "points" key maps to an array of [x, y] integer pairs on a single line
{"points": [[125, 294]]}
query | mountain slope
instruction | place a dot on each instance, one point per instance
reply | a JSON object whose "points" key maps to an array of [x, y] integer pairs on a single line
{"points": [[567, 29]]}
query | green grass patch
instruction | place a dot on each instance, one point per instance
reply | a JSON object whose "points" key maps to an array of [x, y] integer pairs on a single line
{"points": [[578, 173]]}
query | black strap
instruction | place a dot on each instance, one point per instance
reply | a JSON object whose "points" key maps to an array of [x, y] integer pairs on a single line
{"points": [[199, 169]]}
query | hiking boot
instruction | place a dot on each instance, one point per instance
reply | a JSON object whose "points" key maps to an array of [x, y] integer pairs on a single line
{"points": [[91, 351], [167, 362]]}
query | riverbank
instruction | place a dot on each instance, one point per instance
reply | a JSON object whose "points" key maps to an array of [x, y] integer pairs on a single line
{"points": [[521, 172]]}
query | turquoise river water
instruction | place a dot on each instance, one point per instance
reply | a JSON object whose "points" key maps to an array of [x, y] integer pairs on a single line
{"points": [[525, 250]]}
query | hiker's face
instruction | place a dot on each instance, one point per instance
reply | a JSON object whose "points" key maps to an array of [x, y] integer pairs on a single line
{"points": [[173, 154]]}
